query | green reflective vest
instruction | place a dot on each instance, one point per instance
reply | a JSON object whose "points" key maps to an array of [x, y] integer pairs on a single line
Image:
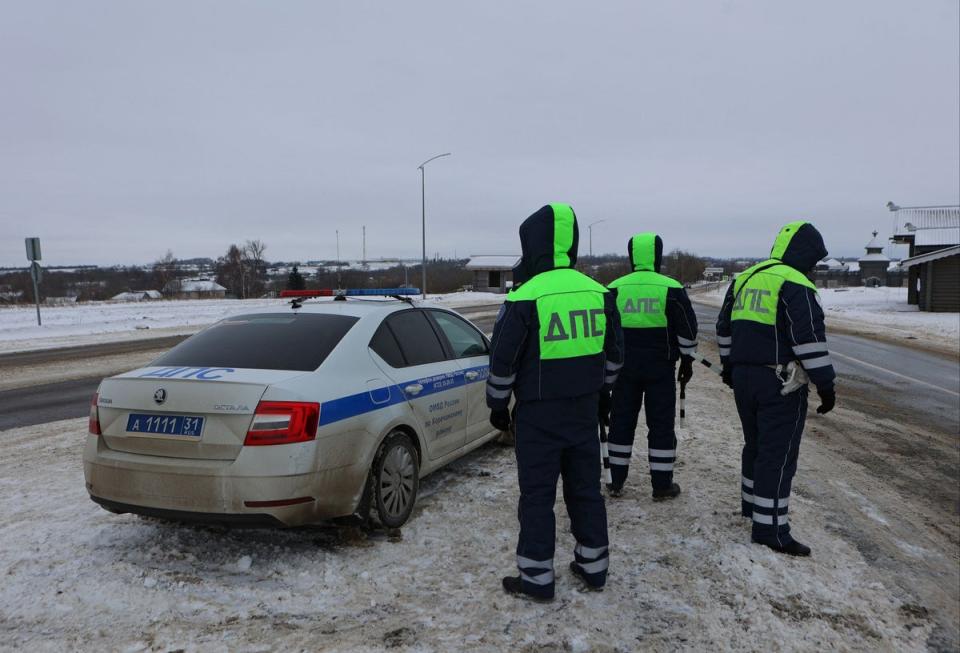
{"points": [[642, 299], [570, 310], [756, 293]]}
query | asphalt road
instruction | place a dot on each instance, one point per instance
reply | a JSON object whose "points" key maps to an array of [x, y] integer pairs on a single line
{"points": [[910, 383], [39, 404], [906, 382]]}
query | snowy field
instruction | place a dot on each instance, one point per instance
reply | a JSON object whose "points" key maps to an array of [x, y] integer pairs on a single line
{"points": [[878, 311], [888, 308], [95, 322], [684, 575]]}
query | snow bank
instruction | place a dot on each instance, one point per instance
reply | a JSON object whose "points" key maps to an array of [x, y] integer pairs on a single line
{"points": [[95, 322], [684, 575]]}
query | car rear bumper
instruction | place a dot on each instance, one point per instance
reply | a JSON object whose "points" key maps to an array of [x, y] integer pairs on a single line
{"points": [[241, 520], [221, 491]]}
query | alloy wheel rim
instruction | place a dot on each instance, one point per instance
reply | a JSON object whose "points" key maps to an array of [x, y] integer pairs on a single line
{"points": [[396, 481]]}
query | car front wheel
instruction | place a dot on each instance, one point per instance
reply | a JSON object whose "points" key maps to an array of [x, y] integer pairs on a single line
{"points": [[396, 479]]}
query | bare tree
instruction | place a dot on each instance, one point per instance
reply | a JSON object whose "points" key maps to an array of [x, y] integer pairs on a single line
{"points": [[256, 267], [243, 270], [164, 270], [685, 267], [230, 271]]}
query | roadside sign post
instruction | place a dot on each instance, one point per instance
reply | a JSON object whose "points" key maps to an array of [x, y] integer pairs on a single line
{"points": [[33, 255]]}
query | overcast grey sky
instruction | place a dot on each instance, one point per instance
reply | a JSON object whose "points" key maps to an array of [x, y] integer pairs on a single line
{"points": [[127, 128]]}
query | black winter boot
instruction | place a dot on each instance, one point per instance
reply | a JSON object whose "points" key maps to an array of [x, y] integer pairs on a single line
{"points": [[578, 572], [615, 490], [791, 548], [662, 494], [513, 585]]}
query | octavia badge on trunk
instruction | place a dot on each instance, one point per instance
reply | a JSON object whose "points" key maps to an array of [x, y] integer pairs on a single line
{"points": [[160, 396]]}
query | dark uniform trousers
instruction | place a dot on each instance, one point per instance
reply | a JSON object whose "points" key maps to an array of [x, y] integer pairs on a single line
{"points": [[559, 438], [654, 382], [772, 427]]}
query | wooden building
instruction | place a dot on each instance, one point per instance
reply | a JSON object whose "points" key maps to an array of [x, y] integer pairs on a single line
{"points": [[938, 276], [933, 236]]}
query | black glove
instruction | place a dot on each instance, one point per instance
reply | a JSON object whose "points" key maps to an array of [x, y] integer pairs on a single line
{"points": [[828, 399], [603, 409], [500, 419], [686, 370], [726, 373]]}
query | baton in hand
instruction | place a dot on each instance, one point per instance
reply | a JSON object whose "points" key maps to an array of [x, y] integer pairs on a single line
{"points": [[683, 402], [605, 455], [710, 366]]}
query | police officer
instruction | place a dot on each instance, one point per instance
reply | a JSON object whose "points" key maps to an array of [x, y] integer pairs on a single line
{"points": [[556, 345], [659, 327], [772, 337]]}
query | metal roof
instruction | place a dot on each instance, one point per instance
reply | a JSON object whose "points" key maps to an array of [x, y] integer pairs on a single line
{"points": [[493, 262], [939, 225], [944, 236], [931, 256]]}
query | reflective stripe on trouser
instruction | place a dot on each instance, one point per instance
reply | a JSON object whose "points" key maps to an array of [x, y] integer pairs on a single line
{"points": [[535, 572], [746, 496], [593, 562], [557, 439], [651, 385], [772, 429]]}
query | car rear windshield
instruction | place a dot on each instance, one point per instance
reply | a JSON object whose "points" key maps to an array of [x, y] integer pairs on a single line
{"points": [[265, 341]]}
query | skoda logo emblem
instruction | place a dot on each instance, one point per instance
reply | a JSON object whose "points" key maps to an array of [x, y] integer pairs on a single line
{"points": [[160, 396]]}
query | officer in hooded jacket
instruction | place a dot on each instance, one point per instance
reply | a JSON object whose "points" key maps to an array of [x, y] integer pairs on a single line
{"points": [[556, 345], [771, 327], [659, 327]]}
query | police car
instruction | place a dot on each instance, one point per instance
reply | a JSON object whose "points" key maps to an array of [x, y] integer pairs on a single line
{"points": [[292, 415]]}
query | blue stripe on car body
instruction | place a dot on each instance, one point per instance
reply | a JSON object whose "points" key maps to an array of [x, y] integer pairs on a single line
{"points": [[361, 403]]}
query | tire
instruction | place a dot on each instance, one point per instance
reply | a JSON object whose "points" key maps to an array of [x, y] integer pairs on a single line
{"points": [[394, 479]]}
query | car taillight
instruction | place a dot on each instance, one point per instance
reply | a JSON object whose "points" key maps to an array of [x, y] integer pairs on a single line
{"points": [[283, 422], [93, 425]]}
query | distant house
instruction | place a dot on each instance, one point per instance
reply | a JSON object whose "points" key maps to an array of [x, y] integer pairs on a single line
{"points": [[493, 272], [137, 296], [10, 297], [194, 289], [832, 265], [933, 235], [60, 301], [874, 264]]}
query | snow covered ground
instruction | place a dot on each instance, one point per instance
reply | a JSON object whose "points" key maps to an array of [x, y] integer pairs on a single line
{"points": [[95, 322], [877, 311], [887, 308], [684, 575]]}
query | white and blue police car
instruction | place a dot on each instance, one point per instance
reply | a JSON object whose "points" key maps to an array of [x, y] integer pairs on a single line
{"points": [[292, 415]]}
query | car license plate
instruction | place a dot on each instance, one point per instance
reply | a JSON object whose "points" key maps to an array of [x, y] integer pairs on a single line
{"points": [[165, 424]]}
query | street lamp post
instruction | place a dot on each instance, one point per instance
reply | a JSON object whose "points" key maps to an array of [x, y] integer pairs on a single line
{"points": [[590, 230], [423, 216]]}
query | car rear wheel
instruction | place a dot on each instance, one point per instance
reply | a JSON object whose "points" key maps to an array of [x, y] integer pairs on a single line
{"points": [[396, 479]]}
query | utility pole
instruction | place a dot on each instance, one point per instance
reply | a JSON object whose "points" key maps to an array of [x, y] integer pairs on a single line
{"points": [[364, 246], [339, 281], [590, 230], [33, 255], [423, 215]]}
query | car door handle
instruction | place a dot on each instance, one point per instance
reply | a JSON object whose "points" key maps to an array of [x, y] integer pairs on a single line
{"points": [[471, 376], [413, 389]]}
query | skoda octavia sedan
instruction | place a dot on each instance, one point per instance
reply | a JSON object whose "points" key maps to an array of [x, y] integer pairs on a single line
{"points": [[292, 415]]}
